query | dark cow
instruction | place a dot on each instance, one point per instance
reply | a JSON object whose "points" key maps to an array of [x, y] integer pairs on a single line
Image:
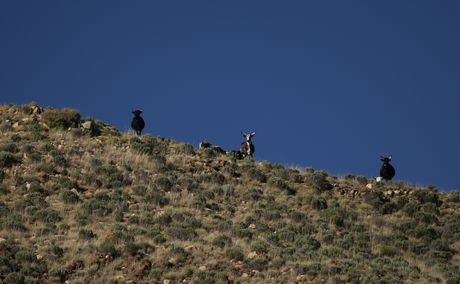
{"points": [[138, 122], [387, 172]]}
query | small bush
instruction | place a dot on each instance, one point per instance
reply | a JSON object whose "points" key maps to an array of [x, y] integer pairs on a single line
{"points": [[388, 251], [256, 174], [157, 198], [69, 197], [318, 203], [4, 189], [235, 253], [139, 190], [361, 179], [182, 231], [258, 264], [108, 248], [8, 159], [86, 234], [9, 147], [61, 119], [186, 149], [222, 241], [163, 183], [318, 180], [26, 256], [260, 247], [281, 184]]}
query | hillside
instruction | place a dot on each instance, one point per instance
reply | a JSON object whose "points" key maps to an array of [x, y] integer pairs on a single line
{"points": [[84, 203]]}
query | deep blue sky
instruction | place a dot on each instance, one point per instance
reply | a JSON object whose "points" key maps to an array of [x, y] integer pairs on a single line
{"points": [[328, 84]]}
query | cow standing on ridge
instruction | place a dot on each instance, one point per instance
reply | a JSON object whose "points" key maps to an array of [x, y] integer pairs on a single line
{"points": [[387, 172], [247, 148], [138, 122]]}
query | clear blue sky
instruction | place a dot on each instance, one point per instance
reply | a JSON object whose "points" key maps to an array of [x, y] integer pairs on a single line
{"points": [[327, 84]]}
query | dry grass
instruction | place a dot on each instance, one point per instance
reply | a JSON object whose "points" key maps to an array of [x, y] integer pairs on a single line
{"points": [[127, 186]]}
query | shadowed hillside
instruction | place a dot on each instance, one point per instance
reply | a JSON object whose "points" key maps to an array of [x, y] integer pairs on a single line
{"points": [[84, 203]]}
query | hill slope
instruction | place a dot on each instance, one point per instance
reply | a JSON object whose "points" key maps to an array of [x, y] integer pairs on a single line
{"points": [[83, 203]]}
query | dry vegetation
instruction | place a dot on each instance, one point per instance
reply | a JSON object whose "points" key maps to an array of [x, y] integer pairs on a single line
{"points": [[92, 205]]}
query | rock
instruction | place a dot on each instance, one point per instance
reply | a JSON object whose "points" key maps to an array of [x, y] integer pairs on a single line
{"points": [[36, 110], [88, 125], [301, 277], [189, 248], [369, 185]]}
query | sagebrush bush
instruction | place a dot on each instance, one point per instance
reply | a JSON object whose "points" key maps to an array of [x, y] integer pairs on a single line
{"points": [[69, 197], [235, 253], [8, 159], [61, 119], [222, 241], [318, 180], [86, 234]]}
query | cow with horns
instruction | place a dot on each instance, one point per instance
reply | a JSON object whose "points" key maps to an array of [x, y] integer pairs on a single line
{"points": [[247, 148], [138, 122], [387, 172]]}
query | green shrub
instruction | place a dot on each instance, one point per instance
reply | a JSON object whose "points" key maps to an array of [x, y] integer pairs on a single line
{"points": [[157, 198], [163, 183], [47, 215], [281, 184], [256, 174], [210, 277], [182, 231], [362, 179], [4, 189], [139, 190], [108, 248], [61, 119], [132, 249], [15, 222], [235, 253], [9, 147], [58, 273], [318, 180], [186, 149], [86, 234], [260, 247], [349, 177], [389, 251], [453, 196], [427, 195], [69, 197], [8, 159], [26, 256], [14, 278], [222, 241], [318, 203], [307, 243], [258, 264], [57, 251]]}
